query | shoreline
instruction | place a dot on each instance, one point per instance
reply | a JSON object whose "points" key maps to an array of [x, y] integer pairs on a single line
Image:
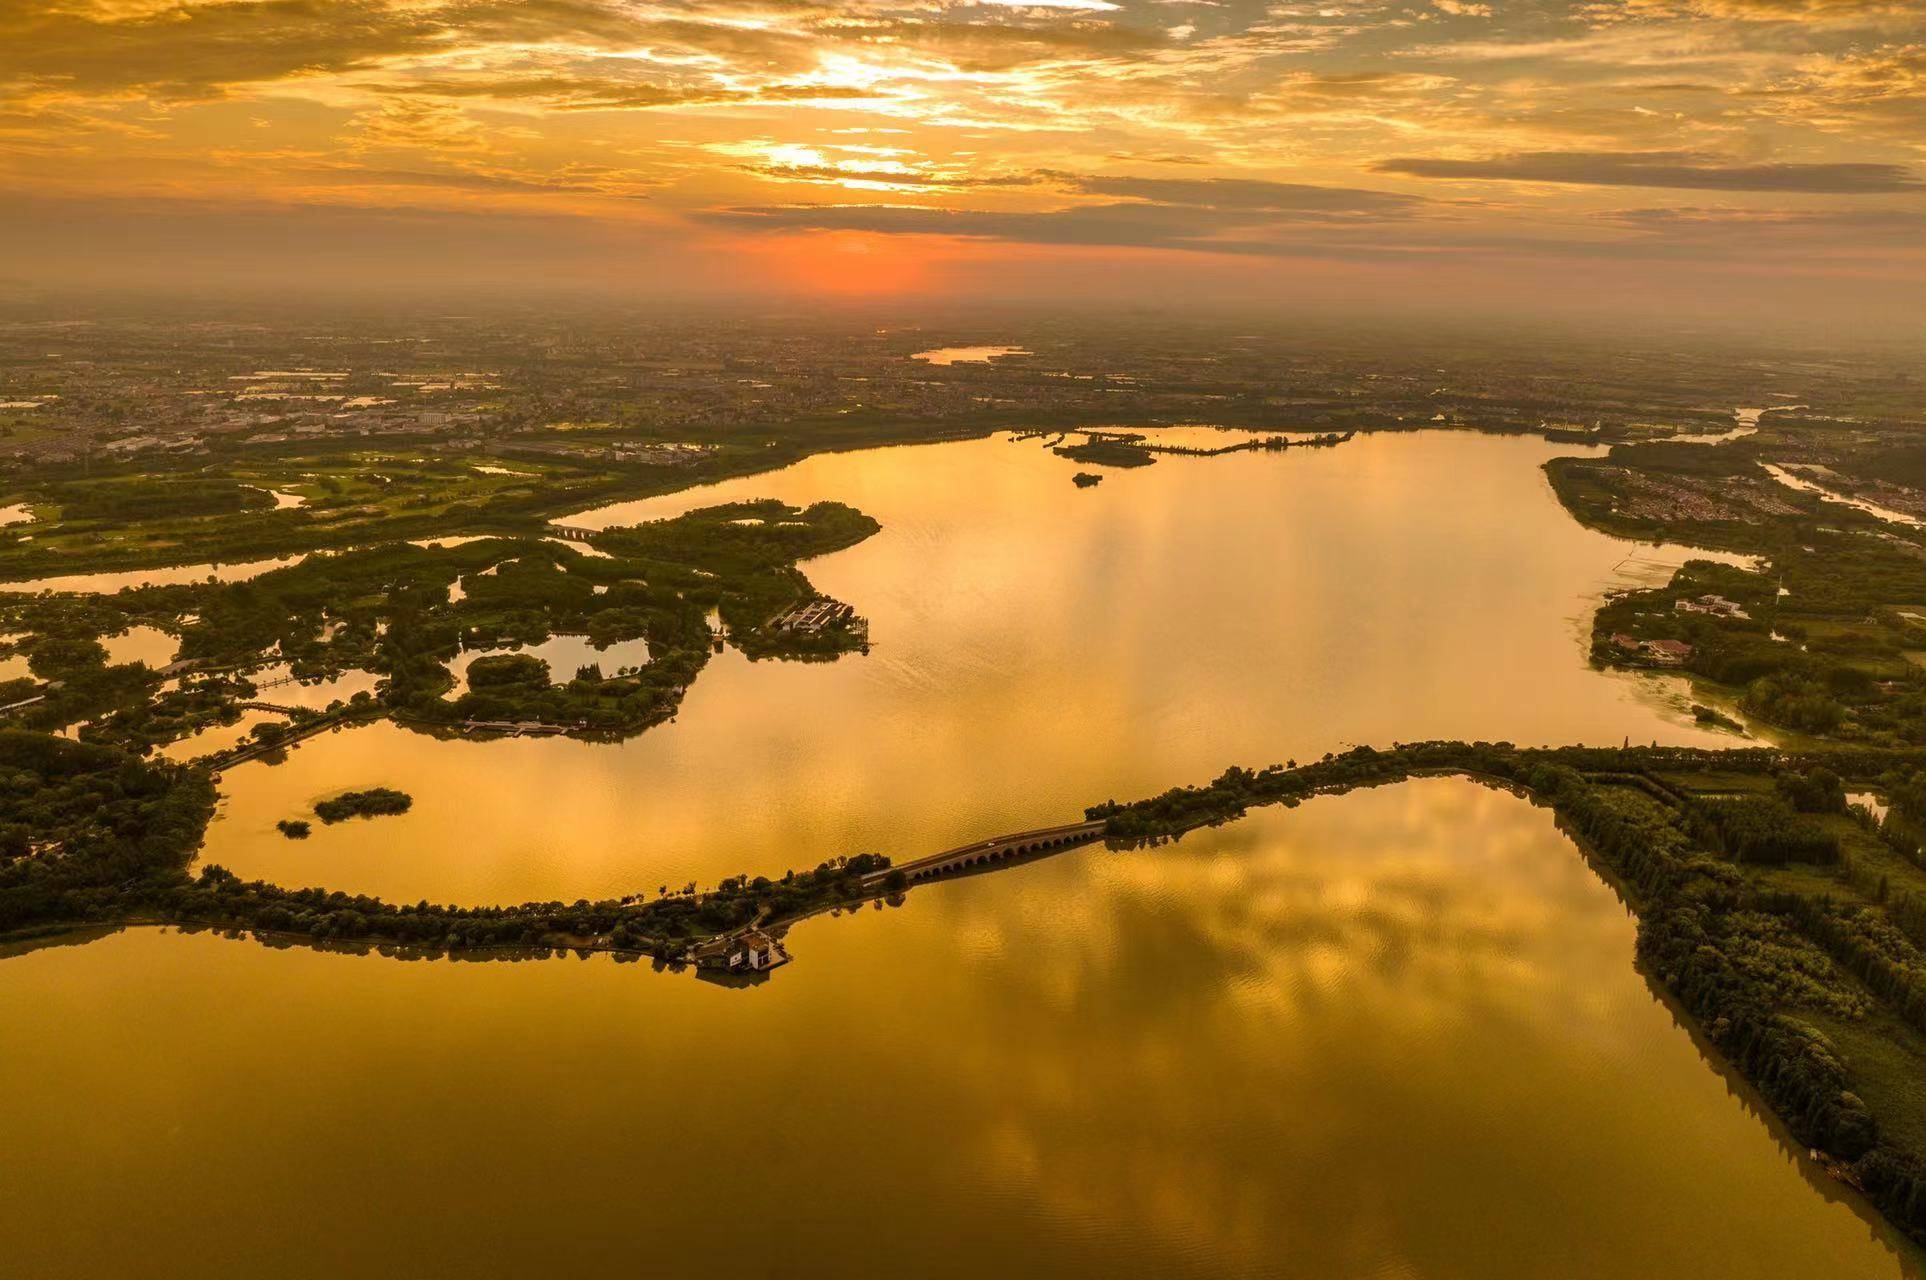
{"points": [[1742, 1028]]}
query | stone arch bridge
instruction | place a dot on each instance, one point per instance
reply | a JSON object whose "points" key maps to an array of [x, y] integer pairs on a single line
{"points": [[988, 852]]}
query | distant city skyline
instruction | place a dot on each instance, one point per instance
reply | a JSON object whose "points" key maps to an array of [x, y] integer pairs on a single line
{"points": [[1691, 154]]}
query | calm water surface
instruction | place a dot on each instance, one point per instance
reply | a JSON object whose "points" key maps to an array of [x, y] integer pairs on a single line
{"points": [[277, 685], [109, 581], [213, 738], [1395, 1033], [1038, 648], [167, 576], [967, 355], [1806, 484], [564, 654], [1392, 1034], [143, 644]]}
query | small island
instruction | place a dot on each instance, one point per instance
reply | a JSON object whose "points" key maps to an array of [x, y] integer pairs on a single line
{"points": [[1086, 479], [1716, 718], [1107, 451], [294, 828], [371, 803]]}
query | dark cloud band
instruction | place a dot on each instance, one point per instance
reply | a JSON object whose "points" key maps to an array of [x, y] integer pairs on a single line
{"points": [[1673, 169]]}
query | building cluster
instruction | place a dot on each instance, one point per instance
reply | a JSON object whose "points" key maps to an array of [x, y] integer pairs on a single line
{"points": [[751, 951], [1714, 605], [71, 391], [812, 617], [1664, 653]]}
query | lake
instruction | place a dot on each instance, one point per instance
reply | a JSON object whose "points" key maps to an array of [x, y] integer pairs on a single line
{"points": [[1394, 1033], [967, 355], [149, 646], [564, 654], [1038, 648]]}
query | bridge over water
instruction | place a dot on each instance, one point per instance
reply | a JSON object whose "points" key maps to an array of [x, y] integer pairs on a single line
{"points": [[994, 850], [572, 532]]}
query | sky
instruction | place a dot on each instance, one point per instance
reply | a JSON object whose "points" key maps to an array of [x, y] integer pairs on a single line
{"points": [[1741, 154]]}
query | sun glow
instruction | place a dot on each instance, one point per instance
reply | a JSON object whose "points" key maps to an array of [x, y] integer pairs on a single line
{"points": [[1191, 129], [846, 263]]}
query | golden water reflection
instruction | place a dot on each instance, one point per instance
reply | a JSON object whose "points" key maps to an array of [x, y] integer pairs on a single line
{"points": [[1038, 648], [1391, 1033]]}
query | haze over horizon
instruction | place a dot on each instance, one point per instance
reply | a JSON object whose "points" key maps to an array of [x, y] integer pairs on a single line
{"points": [[1049, 639], [1684, 156]]}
